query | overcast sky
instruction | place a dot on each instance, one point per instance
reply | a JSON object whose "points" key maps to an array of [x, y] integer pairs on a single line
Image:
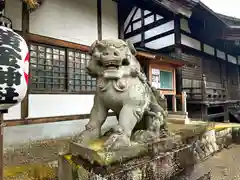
{"points": [[226, 7]]}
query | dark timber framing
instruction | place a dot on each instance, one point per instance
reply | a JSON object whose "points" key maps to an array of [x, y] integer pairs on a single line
{"points": [[25, 30], [214, 83], [178, 52], [120, 9], [99, 19]]}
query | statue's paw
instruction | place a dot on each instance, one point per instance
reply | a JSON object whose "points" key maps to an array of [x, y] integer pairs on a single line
{"points": [[86, 136], [143, 136], [117, 141]]}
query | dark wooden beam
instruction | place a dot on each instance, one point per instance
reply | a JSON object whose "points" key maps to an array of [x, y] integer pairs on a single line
{"points": [[130, 21], [120, 9], [143, 32], [25, 30], [18, 122], [178, 52], [56, 42], [99, 19], [158, 36], [147, 27]]}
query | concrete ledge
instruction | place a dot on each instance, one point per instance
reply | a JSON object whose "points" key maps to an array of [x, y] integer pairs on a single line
{"points": [[36, 159], [31, 152]]}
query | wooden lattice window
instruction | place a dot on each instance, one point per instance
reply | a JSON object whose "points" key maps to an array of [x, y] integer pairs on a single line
{"points": [[78, 79], [57, 70], [47, 68]]}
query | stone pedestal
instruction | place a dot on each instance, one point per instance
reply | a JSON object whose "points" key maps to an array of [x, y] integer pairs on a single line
{"points": [[158, 160]]}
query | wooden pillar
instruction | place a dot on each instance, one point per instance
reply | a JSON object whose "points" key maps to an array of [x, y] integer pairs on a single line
{"points": [[204, 110], [25, 31], [99, 19], [178, 52], [174, 103], [1, 147], [184, 102], [204, 86], [142, 33], [120, 20], [226, 113]]}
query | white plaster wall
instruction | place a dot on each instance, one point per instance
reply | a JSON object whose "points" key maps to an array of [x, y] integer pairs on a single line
{"points": [[190, 42], [159, 29], [135, 39], [127, 21], [161, 42], [74, 20], [49, 105], [184, 25], [232, 59], [208, 49], [109, 19], [13, 10], [149, 20], [23, 134], [221, 54]]}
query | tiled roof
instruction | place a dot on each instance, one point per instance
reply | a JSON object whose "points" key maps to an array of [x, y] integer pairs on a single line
{"points": [[183, 7]]}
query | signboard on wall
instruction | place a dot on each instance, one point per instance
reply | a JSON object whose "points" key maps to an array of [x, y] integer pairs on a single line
{"points": [[162, 79], [156, 78]]}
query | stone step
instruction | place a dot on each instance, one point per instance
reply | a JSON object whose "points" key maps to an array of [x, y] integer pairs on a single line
{"points": [[178, 112], [178, 120], [177, 116]]}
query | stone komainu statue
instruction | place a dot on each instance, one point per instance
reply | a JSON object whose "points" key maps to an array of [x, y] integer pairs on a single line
{"points": [[123, 88]]}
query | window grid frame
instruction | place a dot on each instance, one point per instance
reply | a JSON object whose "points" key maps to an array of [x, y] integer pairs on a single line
{"points": [[89, 89]]}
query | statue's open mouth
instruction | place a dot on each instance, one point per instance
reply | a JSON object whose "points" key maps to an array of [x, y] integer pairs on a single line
{"points": [[116, 64], [112, 64]]}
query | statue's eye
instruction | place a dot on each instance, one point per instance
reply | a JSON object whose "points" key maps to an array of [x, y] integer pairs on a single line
{"points": [[125, 62], [99, 63], [105, 54]]}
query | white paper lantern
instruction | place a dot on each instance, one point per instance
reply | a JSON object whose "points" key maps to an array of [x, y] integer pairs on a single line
{"points": [[14, 68]]}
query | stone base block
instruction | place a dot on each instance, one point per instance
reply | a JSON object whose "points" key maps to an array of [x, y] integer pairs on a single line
{"points": [[153, 161]]}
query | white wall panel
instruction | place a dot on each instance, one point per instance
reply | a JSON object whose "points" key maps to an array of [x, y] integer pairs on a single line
{"points": [[149, 20], [135, 39], [37, 132], [74, 20], [13, 10], [109, 19], [208, 49], [137, 14], [161, 42], [158, 17], [48, 105], [232, 59], [159, 29], [146, 12], [127, 21], [184, 25], [190, 42], [137, 25], [221, 55]]}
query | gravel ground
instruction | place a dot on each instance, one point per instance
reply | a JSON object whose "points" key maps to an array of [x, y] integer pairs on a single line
{"points": [[225, 165]]}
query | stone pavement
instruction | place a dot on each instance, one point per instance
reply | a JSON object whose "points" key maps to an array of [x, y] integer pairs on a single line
{"points": [[224, 165]]}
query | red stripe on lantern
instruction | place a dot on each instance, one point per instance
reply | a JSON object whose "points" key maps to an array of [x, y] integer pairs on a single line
{"points": [[27, 58]]}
